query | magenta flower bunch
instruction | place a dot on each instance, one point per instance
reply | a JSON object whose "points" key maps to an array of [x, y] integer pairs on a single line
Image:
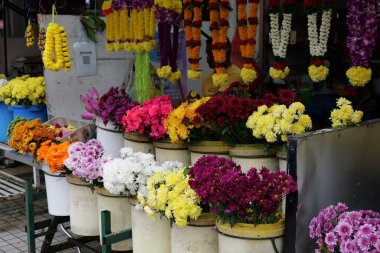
{"points": [[86, 160], [339, 230], [90, 101], [254, 197], [149, 118]]}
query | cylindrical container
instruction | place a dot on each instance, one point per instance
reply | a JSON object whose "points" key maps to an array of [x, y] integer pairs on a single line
{"points": [[203, 148], [138, 142], [57, 192], [84, 218], [282, 160], [166, 151], [120, 210], [6, 119], [248, 238], [111, 138], [196, 237], [149, 235], [32, 112], [254, 156]]}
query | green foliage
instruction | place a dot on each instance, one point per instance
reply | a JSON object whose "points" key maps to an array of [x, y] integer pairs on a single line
{"points": [[92, 24], [14, 123]]}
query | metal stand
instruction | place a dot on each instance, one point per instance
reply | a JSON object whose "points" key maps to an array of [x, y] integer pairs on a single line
{"points": [[107, 237]]}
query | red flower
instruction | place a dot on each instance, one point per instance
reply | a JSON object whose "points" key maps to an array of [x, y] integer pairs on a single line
{"points": [[273, 3], [279, 65], [311, 3], [317, 62]]}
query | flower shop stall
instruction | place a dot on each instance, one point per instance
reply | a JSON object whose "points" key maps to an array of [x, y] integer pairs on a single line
{"points": [[331, 166]]}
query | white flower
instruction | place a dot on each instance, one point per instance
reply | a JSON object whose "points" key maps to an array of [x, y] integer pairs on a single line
{"points": [[172, 165], [280, 38], [318, 42], [124, 152]]}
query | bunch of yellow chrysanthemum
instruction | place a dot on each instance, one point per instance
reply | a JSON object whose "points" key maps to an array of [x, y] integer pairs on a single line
{"points": [[277, 122], [24, 90], [345, 114], [181, 120], [169, 193]]}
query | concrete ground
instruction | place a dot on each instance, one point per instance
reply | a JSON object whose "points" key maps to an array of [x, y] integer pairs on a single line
{"points": [[13, 238]]}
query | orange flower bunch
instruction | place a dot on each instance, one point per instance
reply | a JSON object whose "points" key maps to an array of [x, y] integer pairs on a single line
{"points": [[53, 154], [27, 136], [193, 24], [247, 32], [219, 12]]}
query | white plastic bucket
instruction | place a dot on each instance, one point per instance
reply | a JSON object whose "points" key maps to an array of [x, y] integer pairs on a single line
{"points": [[120, 215], [84, 217], [166, 151], [197, 237], [254, 156], [139, 143], [148, 235], [57, 193], [111, 138], [204, 148], [247, 238]]}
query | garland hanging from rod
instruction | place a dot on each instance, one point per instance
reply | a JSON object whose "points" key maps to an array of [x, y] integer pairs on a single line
{"points": [[318, 38], [193, 23], [41, 30], [280, 37], [30, 35], [247, 29], [169, 17], [363, 23]]}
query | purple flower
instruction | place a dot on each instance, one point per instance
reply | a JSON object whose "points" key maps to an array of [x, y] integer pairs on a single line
{"points": [[344, 228], [366, 229], [341, 207], [330, 239]]}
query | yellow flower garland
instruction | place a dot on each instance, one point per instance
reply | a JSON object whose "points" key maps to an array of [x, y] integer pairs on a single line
{"points": [[359, 76], [110, 27], [277, 74], [57, 44], [118, 30], [318, 73], [29, 35]]}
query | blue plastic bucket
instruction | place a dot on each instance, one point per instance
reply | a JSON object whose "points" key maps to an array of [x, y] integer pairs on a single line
{"points": [[32, 112], [6, 118]]}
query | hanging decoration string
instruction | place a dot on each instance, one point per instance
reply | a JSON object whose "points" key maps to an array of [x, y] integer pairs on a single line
{"points": [[29, 33], [41, 30], [247, 28], [56, 55], [318, 38]]}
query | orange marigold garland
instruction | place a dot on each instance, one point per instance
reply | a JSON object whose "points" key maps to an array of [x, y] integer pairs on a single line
{"points": [[193, 24], [247, 32], [219, 13]]}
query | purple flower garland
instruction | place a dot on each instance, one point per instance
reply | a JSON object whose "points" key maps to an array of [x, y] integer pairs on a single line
{"points": [[362, 22]]}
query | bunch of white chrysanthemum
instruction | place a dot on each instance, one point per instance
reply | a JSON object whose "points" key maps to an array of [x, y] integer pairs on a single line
{"points": [[129, 174]]}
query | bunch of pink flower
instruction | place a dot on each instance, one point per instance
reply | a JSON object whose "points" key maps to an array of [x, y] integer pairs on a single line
{"points": [[254, 197], [149, 118], [86, 160], [338, 230]]}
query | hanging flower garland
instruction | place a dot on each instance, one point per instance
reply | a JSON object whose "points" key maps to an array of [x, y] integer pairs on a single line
{"points": [[280, 37], [56, 54], [111, 21], [318, 72], [362, 22], [219, 13], [247, 31], [168, 16], [29, 34], [193, 23], [41, 30]]}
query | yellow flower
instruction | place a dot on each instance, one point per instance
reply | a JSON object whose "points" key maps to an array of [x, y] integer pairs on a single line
{"points": [[164, 72], [342, 101], [276, 74], [345, 114], [359, 76], [194, 74], [219, 79], [318, 73], [248, 75]]}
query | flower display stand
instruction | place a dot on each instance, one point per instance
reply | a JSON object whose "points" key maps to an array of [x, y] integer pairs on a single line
{"points": [[138, 142], [32, 112], [57, 191], [248, 238], [196, 237], [203, 148], [166, 151], [84, 218], [254, 156], [121, 215], [149, 235], [6, 119], [111, 138], [50, 227]]}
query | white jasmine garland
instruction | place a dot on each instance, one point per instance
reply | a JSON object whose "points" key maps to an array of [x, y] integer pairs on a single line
{"points": [[280, 38], [318, 42]]}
